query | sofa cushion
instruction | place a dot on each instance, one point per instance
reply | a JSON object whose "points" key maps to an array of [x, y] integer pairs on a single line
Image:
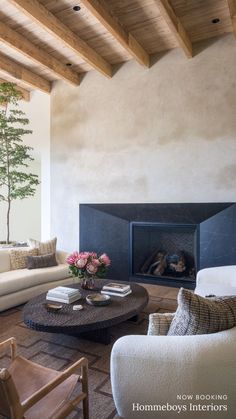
{"points": [[44, 248], [5, 264], [18, 257], [42, 261], [20, 279], [197, 315]]}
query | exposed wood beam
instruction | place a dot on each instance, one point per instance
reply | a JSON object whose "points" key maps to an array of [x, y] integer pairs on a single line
{"points": [[43, 17], [232, 11], [25, 93], [175, 25], [37, 54], [18, 72], [99, 9]]}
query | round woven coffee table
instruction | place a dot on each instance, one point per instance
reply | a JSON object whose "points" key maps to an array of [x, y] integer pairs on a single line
{"points": [[92, 322]]}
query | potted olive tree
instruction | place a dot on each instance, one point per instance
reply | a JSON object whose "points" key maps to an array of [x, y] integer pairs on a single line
{"points": [[16, 181]]}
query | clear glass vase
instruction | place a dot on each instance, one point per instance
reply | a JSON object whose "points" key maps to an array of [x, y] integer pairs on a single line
{"points": [[88, 282]]}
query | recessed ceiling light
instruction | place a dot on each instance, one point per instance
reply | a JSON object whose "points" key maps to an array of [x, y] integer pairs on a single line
{"points": [[215, 20], [68, 64], [76, 8]]}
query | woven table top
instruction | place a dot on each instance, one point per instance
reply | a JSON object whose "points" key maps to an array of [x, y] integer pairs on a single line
{"points": [[67, 320]]}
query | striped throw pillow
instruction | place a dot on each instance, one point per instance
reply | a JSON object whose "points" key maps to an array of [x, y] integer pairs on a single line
{"points": [[197, 315], [44, 248]]}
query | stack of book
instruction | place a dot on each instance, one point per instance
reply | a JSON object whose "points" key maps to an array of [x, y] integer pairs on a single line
{"points": [[63, 295], [118, 290]]}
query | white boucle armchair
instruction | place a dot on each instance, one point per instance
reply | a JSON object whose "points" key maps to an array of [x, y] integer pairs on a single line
{"points": [[150, 374]]}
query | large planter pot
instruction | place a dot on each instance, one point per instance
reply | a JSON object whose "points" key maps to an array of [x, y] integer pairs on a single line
{"points": [[4, 245]]}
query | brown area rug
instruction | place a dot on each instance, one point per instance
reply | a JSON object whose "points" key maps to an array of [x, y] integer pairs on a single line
{"points": [[59, 351]]}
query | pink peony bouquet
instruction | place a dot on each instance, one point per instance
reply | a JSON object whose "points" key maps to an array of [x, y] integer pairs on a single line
{"points": [[88, 264]]}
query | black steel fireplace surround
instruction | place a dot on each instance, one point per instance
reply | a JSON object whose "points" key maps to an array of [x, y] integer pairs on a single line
{"points": [[163, 244]]}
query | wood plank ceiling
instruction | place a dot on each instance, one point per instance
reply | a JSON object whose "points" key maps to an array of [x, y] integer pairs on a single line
{"points": [[46, 40]]}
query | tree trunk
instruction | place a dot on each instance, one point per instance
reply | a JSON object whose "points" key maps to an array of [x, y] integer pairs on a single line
{"points": [[8, 187], [8, 222]]}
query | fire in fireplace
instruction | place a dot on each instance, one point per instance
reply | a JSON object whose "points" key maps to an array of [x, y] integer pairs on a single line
{"points": [[164, 250]]}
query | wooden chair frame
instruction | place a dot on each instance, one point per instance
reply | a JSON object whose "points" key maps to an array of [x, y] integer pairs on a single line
{"points": [[22, 407]]}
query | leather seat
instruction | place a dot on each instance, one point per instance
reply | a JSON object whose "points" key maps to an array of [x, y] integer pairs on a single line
{"points": [[29, 378], [31, 391]]}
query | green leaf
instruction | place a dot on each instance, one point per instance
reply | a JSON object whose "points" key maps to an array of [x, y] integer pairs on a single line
{"points": [[15, 180]]}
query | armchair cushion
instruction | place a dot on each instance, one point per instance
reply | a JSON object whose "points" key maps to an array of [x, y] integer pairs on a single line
{"points": [[159, 323], [197, 315]]}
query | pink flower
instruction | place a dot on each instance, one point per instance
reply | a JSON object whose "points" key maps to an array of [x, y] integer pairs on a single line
{"points": [[71, 260], [105, 259], [96, 262], [80, 263], [91, 269], [84, 255], [93, 254], [88, 260]]}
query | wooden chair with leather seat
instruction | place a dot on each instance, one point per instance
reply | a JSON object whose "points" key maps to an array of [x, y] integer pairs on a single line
{"points": [[30, 391]]}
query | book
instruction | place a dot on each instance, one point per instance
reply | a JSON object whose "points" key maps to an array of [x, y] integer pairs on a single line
{"points": [[112, 286], [63, 300], [63, 291], [116, 294], [62, 295]]}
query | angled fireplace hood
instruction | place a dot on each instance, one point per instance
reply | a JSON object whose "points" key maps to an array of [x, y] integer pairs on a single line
{"points": [[109, 228]]}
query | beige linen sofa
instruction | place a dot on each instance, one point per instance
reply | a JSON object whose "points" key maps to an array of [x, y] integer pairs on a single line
{"points": [[152, 371], [20, 285]]}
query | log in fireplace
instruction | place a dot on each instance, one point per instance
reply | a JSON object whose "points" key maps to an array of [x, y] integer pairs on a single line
{"points": [[160, 243], [169, 251]]}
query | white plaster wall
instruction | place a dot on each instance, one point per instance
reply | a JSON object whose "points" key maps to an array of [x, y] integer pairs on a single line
{"points": [[31, 217], [167, 134]]}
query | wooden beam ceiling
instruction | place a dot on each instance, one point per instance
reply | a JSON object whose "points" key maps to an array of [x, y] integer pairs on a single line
{"points": [[175, 25], [38, 13], [21, 73], [232, 11], [40, 36], [99, 9], [21, 44], [25, 93]]}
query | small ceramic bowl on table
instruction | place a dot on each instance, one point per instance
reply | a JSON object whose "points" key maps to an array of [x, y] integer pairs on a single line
{"points": [[98, 299]]}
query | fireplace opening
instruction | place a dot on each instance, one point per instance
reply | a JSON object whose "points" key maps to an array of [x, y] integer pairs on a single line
{"points": [[164, 251]]}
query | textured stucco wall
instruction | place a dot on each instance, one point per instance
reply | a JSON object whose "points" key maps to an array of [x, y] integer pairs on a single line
{"points": [[167, 134]]}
